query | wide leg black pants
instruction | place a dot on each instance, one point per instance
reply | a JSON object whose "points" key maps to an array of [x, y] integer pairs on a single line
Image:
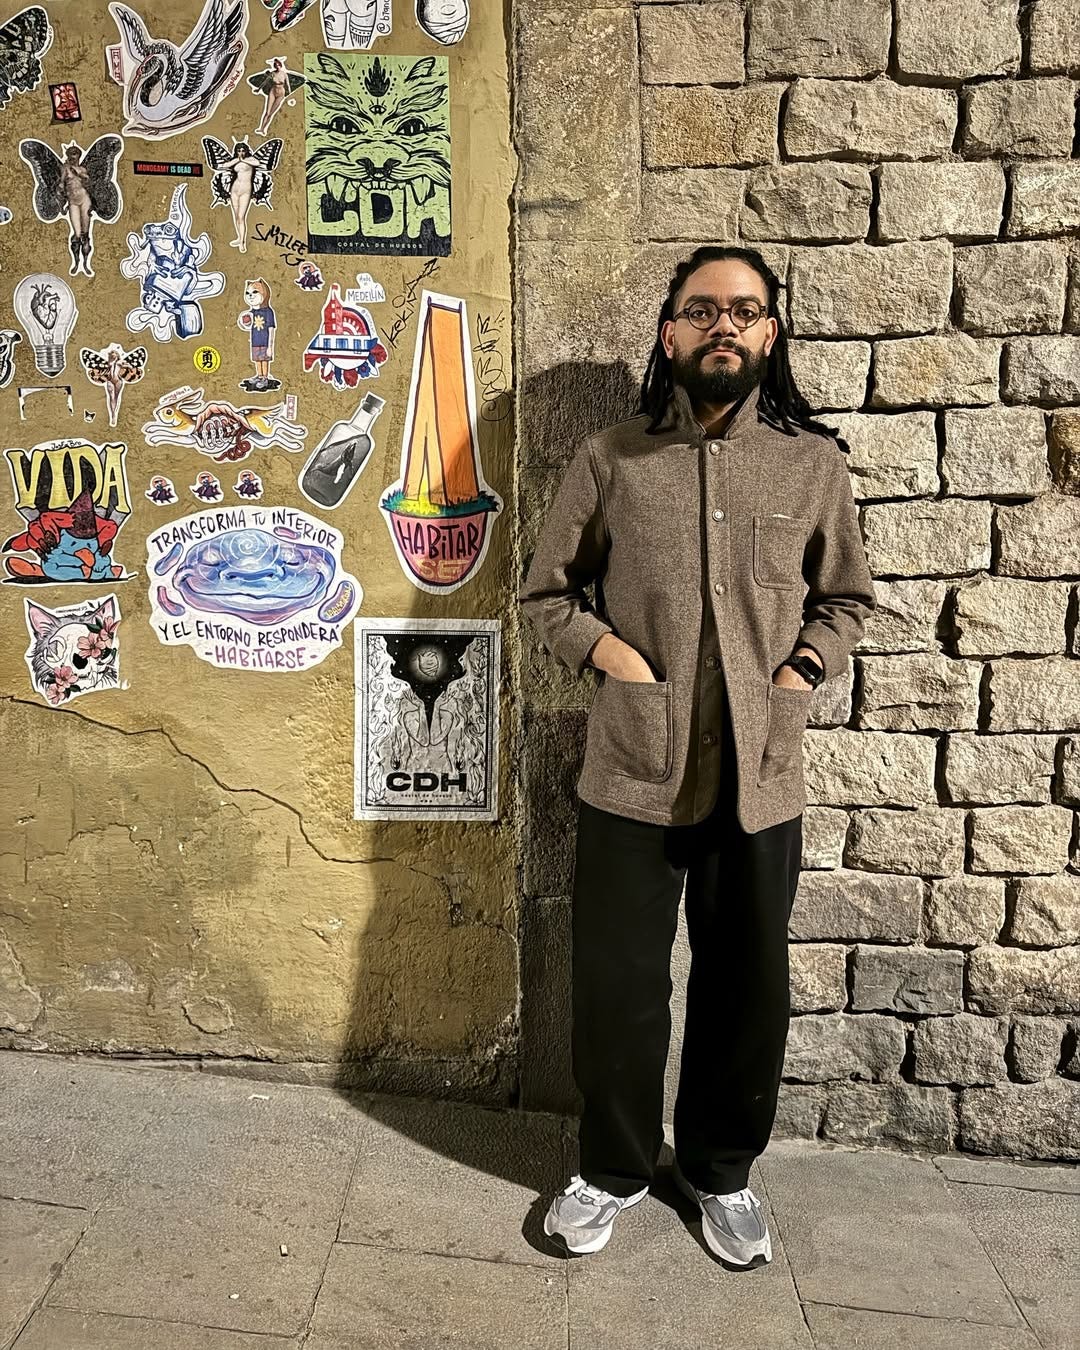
{"points": [[740, 889]]}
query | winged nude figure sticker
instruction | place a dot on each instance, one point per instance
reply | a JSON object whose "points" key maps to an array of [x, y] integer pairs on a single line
{"points": [[169, 89], [80, 186], [113, 368], [242, 178]]}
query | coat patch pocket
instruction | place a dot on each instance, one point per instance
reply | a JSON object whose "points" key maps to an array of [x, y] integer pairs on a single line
{"points": [[785, 721], [630, 728], [778, 549]]}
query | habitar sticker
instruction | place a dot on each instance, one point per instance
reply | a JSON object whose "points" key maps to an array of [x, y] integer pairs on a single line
{"points": [[377, 141], [74, 649], [251, 587]]}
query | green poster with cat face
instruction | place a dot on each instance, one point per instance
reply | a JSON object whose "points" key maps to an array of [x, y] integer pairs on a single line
{"points": [[377, 145]]}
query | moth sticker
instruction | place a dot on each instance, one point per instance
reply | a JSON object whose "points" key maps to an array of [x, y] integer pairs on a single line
{"points": [[275, 84], [242, 179], [346, 349], [167, 262], [427, 719], [260, 323], [65, 102], [24, 40], [355, 24], [9, 339], [248, 486], [74, 649], [74, 498], [438, 510], [170, 89], [284, 13], [80, 187], [377, 145], [443, 20], [45, 306], [161, 491], [338, 459], [207, 487], [218, 429], [251, 587], [114, 369]]}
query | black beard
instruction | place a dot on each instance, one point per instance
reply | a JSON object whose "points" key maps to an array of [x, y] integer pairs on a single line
{"points": [[727, 382]]}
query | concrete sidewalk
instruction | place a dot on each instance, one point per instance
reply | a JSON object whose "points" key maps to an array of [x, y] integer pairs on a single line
{"points": [[158, 1209]]}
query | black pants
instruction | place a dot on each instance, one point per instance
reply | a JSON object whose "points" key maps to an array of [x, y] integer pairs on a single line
{"points": [[739, 893]]}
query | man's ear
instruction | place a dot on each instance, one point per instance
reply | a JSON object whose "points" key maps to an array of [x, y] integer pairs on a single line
{"points": [[667, 337]]}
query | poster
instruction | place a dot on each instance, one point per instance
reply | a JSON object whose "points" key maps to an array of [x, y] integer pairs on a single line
{"points": [[427, 719]]}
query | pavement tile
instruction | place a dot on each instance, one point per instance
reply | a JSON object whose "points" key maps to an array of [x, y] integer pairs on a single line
{"points": [[376, 1299], [1021, 1176], [844, 1328], [1034, 1240], [879, 1230], [60, 1329], [34, 1240]]}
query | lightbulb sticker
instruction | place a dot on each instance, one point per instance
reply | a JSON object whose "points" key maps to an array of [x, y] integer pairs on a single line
{"points": [[45, 306], [167, 260], [438, 510]]}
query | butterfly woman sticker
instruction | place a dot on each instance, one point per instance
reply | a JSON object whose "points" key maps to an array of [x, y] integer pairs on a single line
{"points": [[242, 179], [80, 186], [439, 508]]}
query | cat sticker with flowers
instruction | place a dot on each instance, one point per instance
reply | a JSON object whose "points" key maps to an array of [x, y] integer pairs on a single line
{"points": [[74, 649]]}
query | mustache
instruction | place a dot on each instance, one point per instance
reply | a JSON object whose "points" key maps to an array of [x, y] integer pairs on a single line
{"points": [[719, 347]]}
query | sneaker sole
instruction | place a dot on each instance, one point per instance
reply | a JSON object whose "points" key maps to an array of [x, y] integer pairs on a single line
{"points": [[712, 1241], [601, 1240]]}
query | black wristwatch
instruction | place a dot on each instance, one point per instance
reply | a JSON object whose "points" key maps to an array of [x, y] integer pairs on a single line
{"points": [[807, 668]]}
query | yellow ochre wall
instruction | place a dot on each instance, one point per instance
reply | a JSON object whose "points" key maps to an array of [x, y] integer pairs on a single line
{"points": [[182, 874]]}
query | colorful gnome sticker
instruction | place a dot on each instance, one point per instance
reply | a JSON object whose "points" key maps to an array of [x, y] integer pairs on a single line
{"points": [[346, 349], [73, 649], [437, 511], [251, 587], [74, 498]]}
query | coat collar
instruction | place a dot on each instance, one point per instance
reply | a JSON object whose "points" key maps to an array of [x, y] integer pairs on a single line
{"points": [[680, 416]]}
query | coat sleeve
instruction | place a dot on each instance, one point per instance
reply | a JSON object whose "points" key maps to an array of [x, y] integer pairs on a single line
{"points": [[841, 592], [571, 550]]}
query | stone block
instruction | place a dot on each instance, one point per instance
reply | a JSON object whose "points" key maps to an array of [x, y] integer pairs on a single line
{"points": [[964, 1050], [1019, 117], [1038, 539], [688, 126], [957, 39], [893, 1113], [693, 44], [906, 616], [822, 201], [982, 770], [1035, 1048], [938, 370], [837, 1045], [1039, 695], [965, 911], [924, 200], [920, 691], [1055, 37], [918, 537], [892, 454], [850, 906], [699, 204], [1045, 198], [926, 841], [830, 374], [996, 616], [1044, 369], [908, 980], [817, 37], [868, 119], [1037, 1121], [1011, 288], [1027, 839], [818, 976], [866, 768], [995, 452], [1013, 979], [1046, 912], [853, 290]]}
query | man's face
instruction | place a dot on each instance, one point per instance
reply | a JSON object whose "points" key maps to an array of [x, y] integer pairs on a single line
{"points": [[720, 364]]}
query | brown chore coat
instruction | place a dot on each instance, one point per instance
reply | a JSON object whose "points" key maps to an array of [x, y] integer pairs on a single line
{"points": [[714, 557]]}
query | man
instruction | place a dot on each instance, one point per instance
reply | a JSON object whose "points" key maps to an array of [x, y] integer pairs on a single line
{"points": [[721, 533]]}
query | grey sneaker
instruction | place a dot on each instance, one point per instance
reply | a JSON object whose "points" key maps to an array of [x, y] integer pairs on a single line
{"points": [[733, 1225], [583, 1215]]}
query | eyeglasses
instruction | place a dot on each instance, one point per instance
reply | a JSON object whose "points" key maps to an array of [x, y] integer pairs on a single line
{"points": [[703, 313]]}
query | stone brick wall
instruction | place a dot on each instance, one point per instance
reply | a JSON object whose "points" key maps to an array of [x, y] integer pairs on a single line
{"points": [[911, 171]]}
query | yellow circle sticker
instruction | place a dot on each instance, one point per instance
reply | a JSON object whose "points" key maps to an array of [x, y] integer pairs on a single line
{"points": [[206, 359]]}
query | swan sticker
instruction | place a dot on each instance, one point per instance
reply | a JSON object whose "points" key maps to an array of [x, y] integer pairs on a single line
{"points": [[170, 89], [251, 587]]}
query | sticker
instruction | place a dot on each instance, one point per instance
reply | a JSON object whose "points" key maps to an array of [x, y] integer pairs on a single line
{"points": [[79, 187], [5, 215], [309, 277], [367, 291], [45, 306], [427, 719], [252, 587], [438, 510], [275, 83], [207, 487], [286, 12], [219, 430], [248, 485], [24, 40], [166, 261], [206, 359], [74, 496], [346, 349], [65, 102], [167, 168], [114, 369], [260, 323], [338, 459], [443, 20], [28, 390], [355, 24], [9, 339], [290, 407], [161, 491], [377, 140], [74, 649], [242, 179], [171, 88]]}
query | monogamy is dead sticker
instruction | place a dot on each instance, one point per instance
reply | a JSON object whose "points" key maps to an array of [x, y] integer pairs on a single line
{"points": [[74, 498], [74, 649], [251, 587], [168, 88], [24, 40]]}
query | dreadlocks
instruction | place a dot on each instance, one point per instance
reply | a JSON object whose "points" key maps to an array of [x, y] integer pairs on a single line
{"points": [[780, 401]]}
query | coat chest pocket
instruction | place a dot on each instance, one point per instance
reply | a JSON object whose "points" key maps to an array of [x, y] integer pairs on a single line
{"points": [[630, 728], [778, 549], [786, 714]]}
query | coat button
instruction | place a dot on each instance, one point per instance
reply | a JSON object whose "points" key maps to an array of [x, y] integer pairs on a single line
{"points": [[709, 738], [718, 587], [718, 514], [712, 662], [714, 449]]}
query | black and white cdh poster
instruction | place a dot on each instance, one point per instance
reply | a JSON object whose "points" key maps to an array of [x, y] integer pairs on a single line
{"points": [[427, 719]]}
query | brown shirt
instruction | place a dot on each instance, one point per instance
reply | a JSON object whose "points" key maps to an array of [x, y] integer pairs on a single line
{"points": [[714, 557]]}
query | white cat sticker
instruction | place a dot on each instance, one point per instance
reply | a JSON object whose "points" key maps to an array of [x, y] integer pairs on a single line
{"points": [[74, 649]]}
